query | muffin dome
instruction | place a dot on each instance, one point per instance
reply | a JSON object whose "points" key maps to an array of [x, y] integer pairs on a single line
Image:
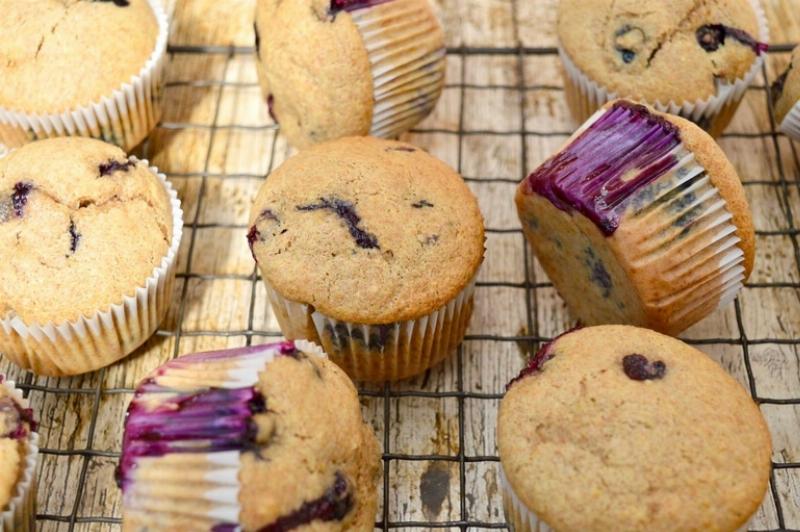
{"points": [[82, 226], [656, 51], [58, 55], [336, 68], [619, 428]]}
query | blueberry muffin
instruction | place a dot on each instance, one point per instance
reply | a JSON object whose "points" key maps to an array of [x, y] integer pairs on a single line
{"points": [[90, 237], [333, 68], [370, 248], [256, 438], [18, 453], [61, 76], [620, 428], [785, 95], [639, 219], [681, 57]]}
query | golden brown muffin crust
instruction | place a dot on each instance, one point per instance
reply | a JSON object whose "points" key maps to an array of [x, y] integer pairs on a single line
{"points": [[586, 447], [77, 238], [649, 50], [367, 231], [61, 54]]}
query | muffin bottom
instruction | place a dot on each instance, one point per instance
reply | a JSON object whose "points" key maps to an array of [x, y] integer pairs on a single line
{"points": [[377, 353], [582, 106]]}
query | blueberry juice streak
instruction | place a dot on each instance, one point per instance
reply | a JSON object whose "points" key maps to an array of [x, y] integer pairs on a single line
{"points": [[625, 149], [18, 421], [212, 420]]}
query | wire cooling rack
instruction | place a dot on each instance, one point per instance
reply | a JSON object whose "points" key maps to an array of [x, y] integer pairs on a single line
{"points": [[437, 431]]}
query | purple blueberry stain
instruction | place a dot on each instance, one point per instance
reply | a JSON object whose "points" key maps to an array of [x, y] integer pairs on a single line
{"points": [[638, 368], [18, 422], [421, 204], [352, 5], [333, 505], [776, 90], [271, 108], [598, 173], [346, 211], [111, 166], [253, 236], [118, 3], [258, 40], [711, 36]]}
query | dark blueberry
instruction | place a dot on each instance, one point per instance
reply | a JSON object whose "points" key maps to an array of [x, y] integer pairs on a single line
{"points": [[333, 505], [74, 237], [628, 55], [347, 212], [638, 368], [19, 198], [112, 166], [421, 204], [711, 36], [258, 40], [599, 275], [271, 108], [268, 214], [587, 175], [431, 240], [253, 235], [401, 148], [118, 3]]}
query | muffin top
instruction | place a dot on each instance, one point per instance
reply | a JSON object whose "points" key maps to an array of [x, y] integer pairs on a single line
{"points": [[51, 50], [16, 424], [304, 453], [668, 438], [82, 226], [785, 91], [315, 69], [367, 231], [660, 51]]}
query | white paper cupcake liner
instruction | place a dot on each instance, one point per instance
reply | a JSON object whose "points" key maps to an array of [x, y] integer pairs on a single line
{"points": [[124, 117], [696, 266], [98, 340], [20, 515], [201, 488], [790, 125], [379, 352], [586, 95], [405, 47]]}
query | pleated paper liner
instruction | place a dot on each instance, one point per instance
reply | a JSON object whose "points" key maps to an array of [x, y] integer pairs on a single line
{"points": [[585, 96], [204, 401], [92, 342], [790, 125], [379, 352], [405, 45], [124, 117], [521, 519], [682, 244], [20, 514]]}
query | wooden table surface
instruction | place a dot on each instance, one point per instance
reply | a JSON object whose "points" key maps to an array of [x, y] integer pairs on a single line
{"points": [[501, 114]]}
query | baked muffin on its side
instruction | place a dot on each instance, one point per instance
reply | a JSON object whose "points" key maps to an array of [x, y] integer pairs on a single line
{"points": [[335, 68], [90, 238], [620, 428], [785, 95], [370, 248], [257, 438], [694, 60], [77, 68], [639, 219], [19, 451]]}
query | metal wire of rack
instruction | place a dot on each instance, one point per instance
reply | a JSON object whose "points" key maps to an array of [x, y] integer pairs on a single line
{"points": [[74, 519]]}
